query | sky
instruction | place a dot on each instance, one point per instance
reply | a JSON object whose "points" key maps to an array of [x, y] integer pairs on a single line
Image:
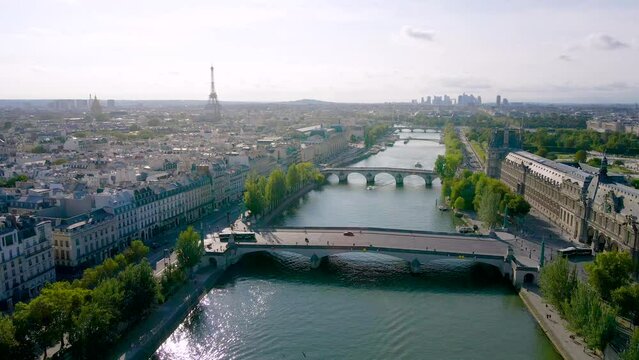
{"points": [[345, 51]]}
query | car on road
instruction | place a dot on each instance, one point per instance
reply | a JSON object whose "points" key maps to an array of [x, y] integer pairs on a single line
{"points": [[349, 233]]}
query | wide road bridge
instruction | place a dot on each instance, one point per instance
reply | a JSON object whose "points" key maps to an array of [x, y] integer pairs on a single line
{"points": [[371, 172], [415, 247]]}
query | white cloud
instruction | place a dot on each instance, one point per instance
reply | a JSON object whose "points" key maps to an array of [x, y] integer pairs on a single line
{"points": [[605, 42], [419, 34]]}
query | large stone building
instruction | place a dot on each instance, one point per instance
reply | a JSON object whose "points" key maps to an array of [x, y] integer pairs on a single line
{"points": [[26, 260], [591, 207]]}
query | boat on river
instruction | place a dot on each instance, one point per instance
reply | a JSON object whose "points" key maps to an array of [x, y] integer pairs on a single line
{"points": [[418, 165]]}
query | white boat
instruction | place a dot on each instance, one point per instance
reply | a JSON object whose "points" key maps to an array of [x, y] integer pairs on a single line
{"points": [[370, 188]]}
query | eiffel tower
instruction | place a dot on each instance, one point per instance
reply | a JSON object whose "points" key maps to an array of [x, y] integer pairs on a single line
{"points": [[213, 105]]}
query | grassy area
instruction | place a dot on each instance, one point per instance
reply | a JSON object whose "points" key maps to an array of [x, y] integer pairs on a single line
{"points": [[620, 170], [479, 150], [565, 157]]}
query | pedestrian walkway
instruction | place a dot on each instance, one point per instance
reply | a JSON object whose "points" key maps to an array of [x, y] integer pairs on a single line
{"points": [[569, 345], [142, 340]]}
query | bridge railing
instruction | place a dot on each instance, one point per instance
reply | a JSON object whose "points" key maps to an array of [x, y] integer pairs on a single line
{"points": [[377, 229]]}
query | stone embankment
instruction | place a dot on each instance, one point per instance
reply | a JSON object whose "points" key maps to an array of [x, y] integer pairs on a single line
{"points": [[268, 217], [141, 341], [569, 345]]}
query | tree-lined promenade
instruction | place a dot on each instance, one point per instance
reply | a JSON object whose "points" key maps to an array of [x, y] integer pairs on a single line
{"points": [[465, 190], [262, 194], [591, 308], [87, 316]]}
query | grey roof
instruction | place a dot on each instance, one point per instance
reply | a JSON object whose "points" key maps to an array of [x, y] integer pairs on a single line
{"points": [[556, 170]]}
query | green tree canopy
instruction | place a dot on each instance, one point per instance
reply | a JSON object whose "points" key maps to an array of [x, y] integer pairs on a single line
{"points": [[188, 248], [489, 208], [557, 282], [517, 206], [136, 252], [459, 203], [590, 317], [632, 352], [626, 298], [292, 178], [140, 290], [276, 188], [8, 342], [609, 271]]}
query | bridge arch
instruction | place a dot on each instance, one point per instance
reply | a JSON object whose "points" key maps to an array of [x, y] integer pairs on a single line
{"points": [[371, 173], [414, 260]]}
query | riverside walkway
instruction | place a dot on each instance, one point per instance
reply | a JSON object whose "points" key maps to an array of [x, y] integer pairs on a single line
{"points": [[415, 247]]}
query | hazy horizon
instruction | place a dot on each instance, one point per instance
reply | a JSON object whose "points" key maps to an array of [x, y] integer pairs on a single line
{"points": [[572, 52]]}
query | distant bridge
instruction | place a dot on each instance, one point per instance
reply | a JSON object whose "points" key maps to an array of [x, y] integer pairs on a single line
{"points": [[402, 128], [415, 247], [439, 141], [371, 172]]}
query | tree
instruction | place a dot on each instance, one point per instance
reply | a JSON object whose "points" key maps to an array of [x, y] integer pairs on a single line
{"points": [[136, 252], [140, 290], [489, 208], [188, 248], [518, 206], [64, 301], [590, 317], [459, 203], [44, 321], [596, 162], [292, 178], [253, 194], [626, 298], [609, 271], [557, 282], [581, 156], [8, 341], [632, 352], [93, 331], [275, 188]]}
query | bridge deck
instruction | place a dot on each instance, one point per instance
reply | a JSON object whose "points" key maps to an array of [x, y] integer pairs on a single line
{"points": [[379, 169], [383, 239]]}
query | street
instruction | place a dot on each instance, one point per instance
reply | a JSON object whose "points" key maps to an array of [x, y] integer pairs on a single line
{"points": [[208, 224]]}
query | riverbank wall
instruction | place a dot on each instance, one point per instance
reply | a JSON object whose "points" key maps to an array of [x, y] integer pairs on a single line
{"points": [[267, 218], [567, 344], [144, 339]]}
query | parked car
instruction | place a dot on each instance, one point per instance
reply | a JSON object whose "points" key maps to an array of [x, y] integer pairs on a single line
{"points": [[349, 233]]}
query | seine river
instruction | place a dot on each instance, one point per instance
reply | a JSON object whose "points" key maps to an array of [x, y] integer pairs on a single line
{"points": [[362, 306]]}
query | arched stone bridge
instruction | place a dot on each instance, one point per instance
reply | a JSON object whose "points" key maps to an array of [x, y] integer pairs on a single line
{"points": [[370, 172], [414, 129], [417, 248]]}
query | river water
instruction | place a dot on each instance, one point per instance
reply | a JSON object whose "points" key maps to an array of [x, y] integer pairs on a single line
{"points": [[362, 306]]}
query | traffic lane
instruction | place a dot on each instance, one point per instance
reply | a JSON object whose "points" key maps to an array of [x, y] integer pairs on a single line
{"points": [[207, 224], [395, 240]]}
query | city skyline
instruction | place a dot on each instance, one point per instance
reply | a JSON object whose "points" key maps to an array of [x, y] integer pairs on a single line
{"points": [[573, 52]]}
